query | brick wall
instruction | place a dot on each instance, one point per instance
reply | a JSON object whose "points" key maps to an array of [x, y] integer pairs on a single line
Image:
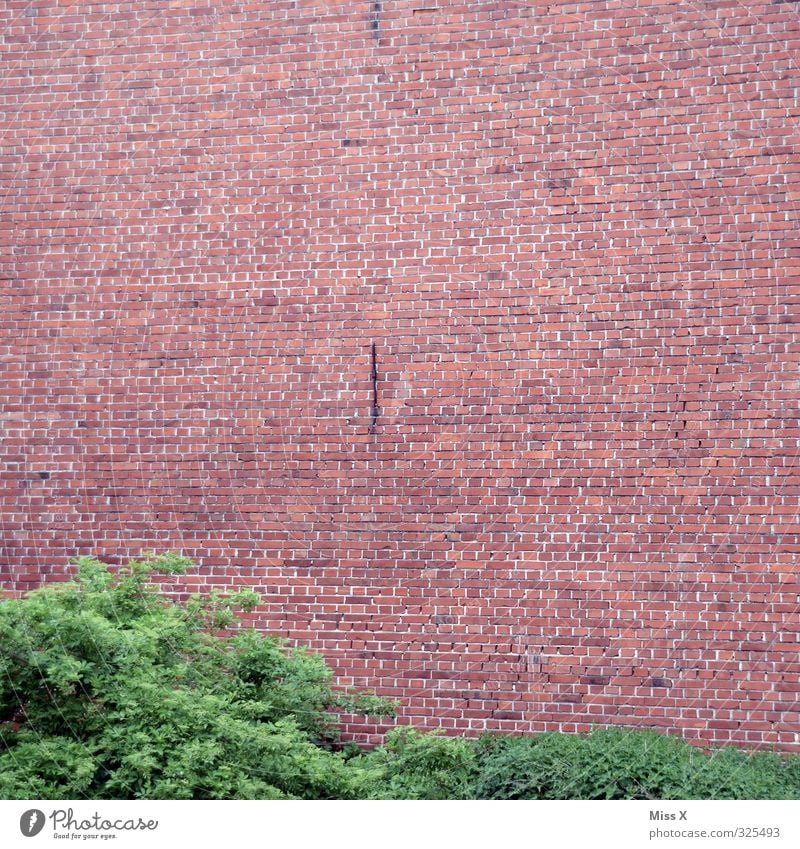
{"points": [[571, 231]]}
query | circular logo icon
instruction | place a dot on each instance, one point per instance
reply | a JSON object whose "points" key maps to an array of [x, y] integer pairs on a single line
{"points": [[31, 822]]}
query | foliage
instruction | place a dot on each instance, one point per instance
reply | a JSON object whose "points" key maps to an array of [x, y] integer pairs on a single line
{"points": [[109, 690], [625, 764], [733, 774], [413, 765]]}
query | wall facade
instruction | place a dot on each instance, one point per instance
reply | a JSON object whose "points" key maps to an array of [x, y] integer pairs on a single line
{"points": [[571, 232]]}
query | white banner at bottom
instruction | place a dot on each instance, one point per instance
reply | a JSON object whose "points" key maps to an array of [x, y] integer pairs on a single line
{"points": [[400, 825]]}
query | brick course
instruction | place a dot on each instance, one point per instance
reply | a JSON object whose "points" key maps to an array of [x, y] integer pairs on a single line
{"points": [[571, 230]]}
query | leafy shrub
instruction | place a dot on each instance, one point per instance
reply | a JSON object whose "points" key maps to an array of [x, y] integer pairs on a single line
{"points": [[624, 764], [733, 774], [109, 690], [413, 765]]}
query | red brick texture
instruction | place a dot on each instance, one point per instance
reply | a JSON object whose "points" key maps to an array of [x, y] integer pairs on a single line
{"points": [[571, 230]]}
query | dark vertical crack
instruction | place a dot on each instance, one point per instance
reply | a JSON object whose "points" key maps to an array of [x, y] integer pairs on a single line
{"points": [[375, 24], [374, 376]]}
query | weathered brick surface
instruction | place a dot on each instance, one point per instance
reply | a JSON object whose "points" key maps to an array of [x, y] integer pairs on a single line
{"points": [[571, 230]]}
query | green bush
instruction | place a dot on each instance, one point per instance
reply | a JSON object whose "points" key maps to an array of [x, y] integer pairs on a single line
{"points": [[733, 774], [413, 765], [625, 764], [109, 690]]}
